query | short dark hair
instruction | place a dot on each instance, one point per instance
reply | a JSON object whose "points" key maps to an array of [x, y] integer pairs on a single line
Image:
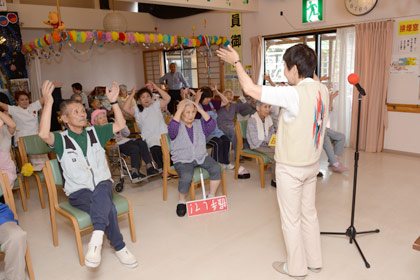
{"points": [[19, 93], [77, 86], [303, 57], [206, 93], [140, 93], [65, 104]]}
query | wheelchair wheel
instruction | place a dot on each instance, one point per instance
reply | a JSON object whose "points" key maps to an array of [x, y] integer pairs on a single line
{"points": [[120, 185]]}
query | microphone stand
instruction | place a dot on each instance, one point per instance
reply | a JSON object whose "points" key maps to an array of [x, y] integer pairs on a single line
{"points": [[351, 232]]}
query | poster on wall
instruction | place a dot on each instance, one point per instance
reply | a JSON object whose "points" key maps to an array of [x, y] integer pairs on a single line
{"points": [[19, 85], [12, 61], [3, 5], [408, 44], [403, 64]]}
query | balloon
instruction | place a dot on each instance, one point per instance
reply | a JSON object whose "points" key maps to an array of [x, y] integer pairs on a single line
{"points": [[159, 38], [89, 36], [121, 37], [146, 38], [108, 36], [56, 36], [100, 34], [172, 41], [74, 35], [152, 38], [114, 35], [83, 36], [142, 38]]}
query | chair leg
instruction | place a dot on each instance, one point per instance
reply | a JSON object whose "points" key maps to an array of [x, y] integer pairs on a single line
{"points": [[261, 164], [223, 182], [79, 242], [25, 181], [29, 264], [131, 222], [22, 196], [53, 225], [192, 191], [165, 184], [41, 195], [237, 165]]}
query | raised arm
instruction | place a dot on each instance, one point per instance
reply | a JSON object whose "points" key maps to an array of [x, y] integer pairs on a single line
{"points": [[269, 80], [127, 104], [225, 101], [45, 124], [7, 120], [4, 106], [112, 95], [203, 113], [165, 96], [231, 56]]}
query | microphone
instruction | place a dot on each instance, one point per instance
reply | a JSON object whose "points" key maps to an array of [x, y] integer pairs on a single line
{"points": [[354, 80]]}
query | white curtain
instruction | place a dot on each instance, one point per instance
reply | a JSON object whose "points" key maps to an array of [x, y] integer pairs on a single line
{"points": [[343, 56], [34, 73]]}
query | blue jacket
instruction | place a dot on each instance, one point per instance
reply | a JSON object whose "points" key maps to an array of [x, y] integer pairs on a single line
{"points": [[6, 215]]}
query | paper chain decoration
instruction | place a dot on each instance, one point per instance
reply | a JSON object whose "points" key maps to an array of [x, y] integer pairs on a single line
{"points": [[44, 46]]}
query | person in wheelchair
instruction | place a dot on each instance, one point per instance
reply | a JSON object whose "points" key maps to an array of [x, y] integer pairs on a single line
{"points": [[135, 148], [188, 143]]}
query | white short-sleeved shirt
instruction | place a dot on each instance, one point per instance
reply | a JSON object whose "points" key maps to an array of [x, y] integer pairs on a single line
{"points": [[26, 119], [5, 139], [151, 123]]}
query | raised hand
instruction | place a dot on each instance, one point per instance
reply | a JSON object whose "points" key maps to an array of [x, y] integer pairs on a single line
{"points": [[198, 95], [214, 88], [47, 90], [229, 55], [181, 105], [133, 90], [113, 94]]}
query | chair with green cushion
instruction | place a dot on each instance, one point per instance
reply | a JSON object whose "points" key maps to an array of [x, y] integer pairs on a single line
{"points": [[80, 220], [165, 143], [263, 159], [7, 194], [33, 146]]}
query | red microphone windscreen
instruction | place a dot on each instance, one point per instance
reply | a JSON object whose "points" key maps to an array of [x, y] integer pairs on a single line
{"points": [[353, 79]]}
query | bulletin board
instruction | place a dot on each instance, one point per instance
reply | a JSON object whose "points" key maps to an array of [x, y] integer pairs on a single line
{"points": [[404, 78]]}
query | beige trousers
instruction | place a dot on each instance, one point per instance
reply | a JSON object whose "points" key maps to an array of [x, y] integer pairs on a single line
{"points": [[296, 196], [13, 244]]}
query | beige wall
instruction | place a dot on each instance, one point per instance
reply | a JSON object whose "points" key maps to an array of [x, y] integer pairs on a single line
{"points": [[100, 67]]}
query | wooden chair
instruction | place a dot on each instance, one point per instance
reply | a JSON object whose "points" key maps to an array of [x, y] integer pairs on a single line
{"points": [[262, 159], [33, 145], [18, 185], [165, 142], [6, 192], [80, 220]]}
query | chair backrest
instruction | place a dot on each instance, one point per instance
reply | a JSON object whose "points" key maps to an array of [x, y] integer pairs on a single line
{"points": [[165, 143], [34, 145], [240, 130], [6, 191], [53, 178]]}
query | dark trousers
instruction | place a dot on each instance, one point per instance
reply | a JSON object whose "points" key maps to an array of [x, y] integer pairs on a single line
{"points": [[175, 98], [137, 150], [156, 152], [186, 172], [220, 149], [98, 204]]}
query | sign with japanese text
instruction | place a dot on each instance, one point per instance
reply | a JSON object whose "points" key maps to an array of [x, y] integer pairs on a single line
{"points": [[408, 27], [205, 206], [312, 11], [236, 34]]}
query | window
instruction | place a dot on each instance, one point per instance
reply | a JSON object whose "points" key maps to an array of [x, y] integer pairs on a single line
{"points": [[275, 48], [186, 62]]}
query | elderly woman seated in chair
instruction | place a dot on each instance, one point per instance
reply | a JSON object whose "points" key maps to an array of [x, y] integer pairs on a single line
{"points": [[259, 131], [188, 143]]}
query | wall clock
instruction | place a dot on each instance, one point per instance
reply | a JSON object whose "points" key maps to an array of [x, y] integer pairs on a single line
{"points": [[360, 7]]}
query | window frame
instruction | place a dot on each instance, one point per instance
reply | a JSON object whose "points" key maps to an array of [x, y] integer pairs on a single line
{"points": [[318, 37]]}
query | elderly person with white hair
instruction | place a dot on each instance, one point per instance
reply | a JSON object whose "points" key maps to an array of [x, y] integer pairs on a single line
{"points": [[259, 131], [188, 149]]}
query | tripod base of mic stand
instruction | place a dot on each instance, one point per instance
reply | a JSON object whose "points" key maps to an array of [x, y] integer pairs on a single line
{"points": [[351, 233]]}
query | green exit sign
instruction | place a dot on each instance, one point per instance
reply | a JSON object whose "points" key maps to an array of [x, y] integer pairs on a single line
{"points": [[312, 11]]}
